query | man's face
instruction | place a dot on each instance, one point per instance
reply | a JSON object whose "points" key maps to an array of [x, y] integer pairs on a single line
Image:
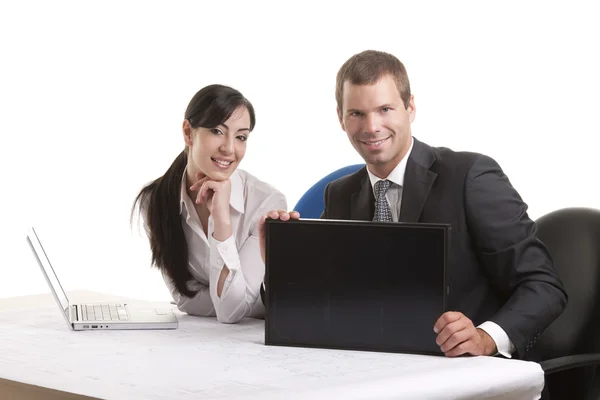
{"points": [[377, 123]]}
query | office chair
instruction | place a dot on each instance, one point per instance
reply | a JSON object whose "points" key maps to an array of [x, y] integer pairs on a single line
{"points": [[311, 204], [570, 347]]}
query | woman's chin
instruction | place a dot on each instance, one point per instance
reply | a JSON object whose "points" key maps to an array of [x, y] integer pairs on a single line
{"points": [[219, 175]]}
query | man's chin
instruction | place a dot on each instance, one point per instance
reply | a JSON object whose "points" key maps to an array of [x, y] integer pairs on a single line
{"points": [[377, 159]]}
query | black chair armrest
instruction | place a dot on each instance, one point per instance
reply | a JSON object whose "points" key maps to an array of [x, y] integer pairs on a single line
{"points": [[570, 362]]}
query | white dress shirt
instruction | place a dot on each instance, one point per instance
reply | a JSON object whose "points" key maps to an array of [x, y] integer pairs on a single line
{"points": [[394, 197], [250, 200]]}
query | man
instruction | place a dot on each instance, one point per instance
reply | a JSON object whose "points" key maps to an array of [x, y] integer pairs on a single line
{"points": [[505, 291]]}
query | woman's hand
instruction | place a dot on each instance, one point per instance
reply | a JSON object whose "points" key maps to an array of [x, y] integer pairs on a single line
{"points": [[216, 195], [274, 214]]}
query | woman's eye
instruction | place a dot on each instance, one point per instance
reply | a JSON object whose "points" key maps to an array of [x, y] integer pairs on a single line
{"points": [[242, 138], [216, 131]]}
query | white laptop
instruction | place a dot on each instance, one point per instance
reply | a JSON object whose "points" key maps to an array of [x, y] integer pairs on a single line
{"points": [[102, 316]]}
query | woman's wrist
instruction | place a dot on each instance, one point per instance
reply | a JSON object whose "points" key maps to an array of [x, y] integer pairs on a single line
{"points": [[222, 230]]}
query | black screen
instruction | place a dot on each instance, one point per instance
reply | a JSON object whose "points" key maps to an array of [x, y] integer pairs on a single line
{"points": [[355, 285]]}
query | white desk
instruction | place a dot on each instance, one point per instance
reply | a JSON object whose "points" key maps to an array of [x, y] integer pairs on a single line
{"points": [[206, 359]]}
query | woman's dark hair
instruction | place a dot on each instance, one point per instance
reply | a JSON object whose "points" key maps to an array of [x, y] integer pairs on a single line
{"points": [[209, 108]]}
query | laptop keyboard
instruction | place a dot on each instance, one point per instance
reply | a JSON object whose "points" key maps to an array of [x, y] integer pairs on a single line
{"points": [[104, 312]]}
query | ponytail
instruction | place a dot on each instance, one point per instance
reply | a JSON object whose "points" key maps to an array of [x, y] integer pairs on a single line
{"points": [[160, 201]]}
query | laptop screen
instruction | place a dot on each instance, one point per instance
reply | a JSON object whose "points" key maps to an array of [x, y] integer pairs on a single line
{"points": [[355, 284], [51, 278]]}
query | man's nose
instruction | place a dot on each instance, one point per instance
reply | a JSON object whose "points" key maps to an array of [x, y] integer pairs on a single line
{"points": [[372, 123]]}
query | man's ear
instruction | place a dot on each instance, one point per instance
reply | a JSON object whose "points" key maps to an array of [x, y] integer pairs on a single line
{"points": [[187, 133], [412, 109], [339, 113]]}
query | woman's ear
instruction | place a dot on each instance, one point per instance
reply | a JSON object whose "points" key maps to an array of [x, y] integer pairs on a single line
{"points": [[187, 133]]}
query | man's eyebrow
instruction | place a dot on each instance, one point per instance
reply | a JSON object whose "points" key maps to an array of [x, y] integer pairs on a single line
{"points": [[386, 105]]}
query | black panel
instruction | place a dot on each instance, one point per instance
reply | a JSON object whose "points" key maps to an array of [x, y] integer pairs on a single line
{"points": [[355, 285]]}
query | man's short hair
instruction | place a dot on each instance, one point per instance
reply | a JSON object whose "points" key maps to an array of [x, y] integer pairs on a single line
{"points": [[368, 67]]}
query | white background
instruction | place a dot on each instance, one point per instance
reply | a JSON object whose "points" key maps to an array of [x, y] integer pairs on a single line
{"points": [[92, 96]]}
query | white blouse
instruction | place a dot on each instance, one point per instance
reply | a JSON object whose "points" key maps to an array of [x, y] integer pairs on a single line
{"points": [[250, 200]]}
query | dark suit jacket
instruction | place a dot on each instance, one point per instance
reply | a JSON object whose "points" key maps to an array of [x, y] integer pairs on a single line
{"points": [[499, 270]]}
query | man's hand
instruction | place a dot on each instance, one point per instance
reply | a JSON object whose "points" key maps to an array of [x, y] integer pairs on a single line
{"points": [[279, 214], [457, 336]]}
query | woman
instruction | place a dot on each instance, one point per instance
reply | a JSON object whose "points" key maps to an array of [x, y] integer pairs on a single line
{"points": [[202, 216]]}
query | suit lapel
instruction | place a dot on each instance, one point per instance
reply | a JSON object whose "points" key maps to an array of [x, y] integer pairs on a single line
{"points": [[418, 180], [362, 203]]}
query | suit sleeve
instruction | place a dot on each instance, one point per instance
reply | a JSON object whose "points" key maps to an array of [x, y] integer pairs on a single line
{"points": [[325, 201], [517, 262]]}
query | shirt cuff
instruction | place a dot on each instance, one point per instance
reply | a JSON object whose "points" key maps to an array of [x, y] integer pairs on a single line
{"points": [[224, 253], [503, 344]]}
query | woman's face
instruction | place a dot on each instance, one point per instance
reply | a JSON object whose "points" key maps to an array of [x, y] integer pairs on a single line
{"points": [[216, 152]]}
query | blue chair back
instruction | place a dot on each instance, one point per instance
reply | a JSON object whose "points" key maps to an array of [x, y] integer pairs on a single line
{"points": [[311, 204]]}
